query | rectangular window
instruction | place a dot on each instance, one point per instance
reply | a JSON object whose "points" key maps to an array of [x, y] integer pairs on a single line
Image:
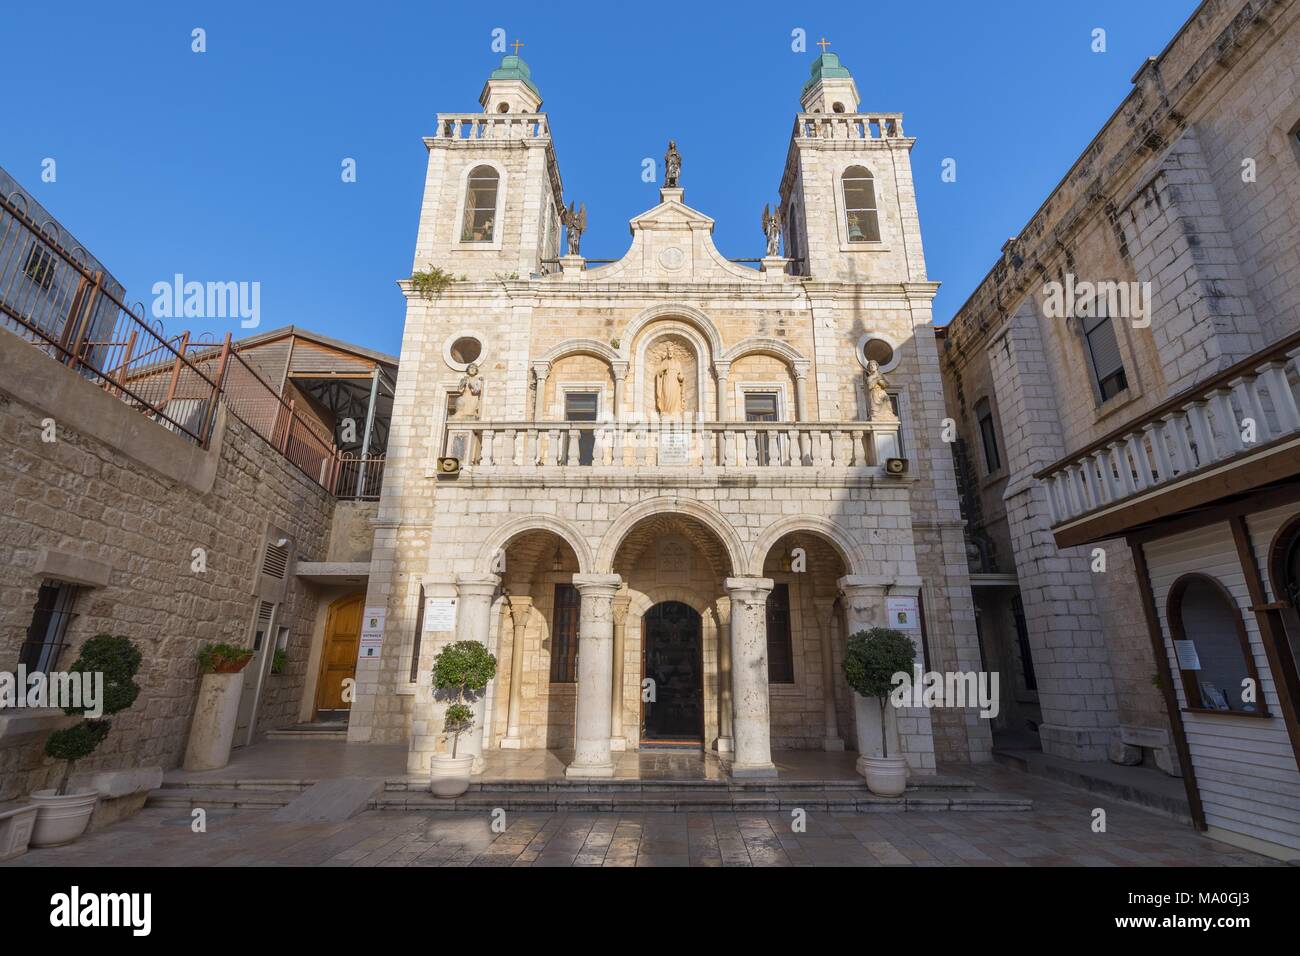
{"points": [[860, 205], [419, 633], [583, 407], [47, 634], [762, 407], [988, 436], [564, 635], [39, 266], [1103, 352], [780, 652]]}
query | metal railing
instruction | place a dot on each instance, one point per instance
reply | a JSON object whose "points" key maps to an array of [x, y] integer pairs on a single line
{"points": [[52, 297]]}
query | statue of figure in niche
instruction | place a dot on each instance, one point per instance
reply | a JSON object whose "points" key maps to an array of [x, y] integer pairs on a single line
{"points": [[672, 165], [469, 395], [772, 229], [670, 382], [879, 407]]}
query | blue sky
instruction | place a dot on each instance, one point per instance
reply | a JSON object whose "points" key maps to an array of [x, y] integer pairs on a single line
{"points": [[225, 165]]}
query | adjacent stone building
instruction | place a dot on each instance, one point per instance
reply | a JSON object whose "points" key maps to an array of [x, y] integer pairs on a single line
{"points": [[672, 471], [1124, 389]]}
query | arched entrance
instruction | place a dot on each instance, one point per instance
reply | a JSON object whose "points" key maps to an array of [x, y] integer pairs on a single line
{"points": [[673, 661]]}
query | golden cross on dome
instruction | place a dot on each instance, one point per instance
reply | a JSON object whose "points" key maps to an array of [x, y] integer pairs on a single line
{"points": [[517, 44], [823, 43]]}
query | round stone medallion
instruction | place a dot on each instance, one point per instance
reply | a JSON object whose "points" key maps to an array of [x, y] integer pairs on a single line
{"points": [[672, 258]]}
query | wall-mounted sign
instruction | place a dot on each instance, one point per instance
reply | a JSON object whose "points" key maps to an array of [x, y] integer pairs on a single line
{"points": [[439, 614], [903, 613], [674, 447], [372, 633]]}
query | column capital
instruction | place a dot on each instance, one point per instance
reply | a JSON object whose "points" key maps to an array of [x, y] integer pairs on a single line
{"points": [[908, 585], [621, 604], [541, 369], [478, 585], [800, 368], [864, 583], [619, 368], [748, 589], [519, 606], [721, 369], [597, 585]]}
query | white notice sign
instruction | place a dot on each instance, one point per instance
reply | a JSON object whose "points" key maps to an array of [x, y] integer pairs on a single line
{"points": [[372, 633], [439, 614], [674, 448], [1188, 660], [903, 613]]}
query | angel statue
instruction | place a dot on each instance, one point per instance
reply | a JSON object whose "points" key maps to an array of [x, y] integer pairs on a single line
{"points": [[576, 224], [672, 165], [879, 407], [772, 229]]}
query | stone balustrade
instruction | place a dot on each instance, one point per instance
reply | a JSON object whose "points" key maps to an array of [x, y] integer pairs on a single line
{"points": [[848, 126], [1244, 409], [534, 446], [477, 126]]}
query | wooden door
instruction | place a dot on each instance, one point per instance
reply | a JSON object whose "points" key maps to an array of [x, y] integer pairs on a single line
{"points": [[339, 651]]}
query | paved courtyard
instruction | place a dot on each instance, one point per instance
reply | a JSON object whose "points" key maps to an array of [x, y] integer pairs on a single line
{"points": [[1058, 831]]}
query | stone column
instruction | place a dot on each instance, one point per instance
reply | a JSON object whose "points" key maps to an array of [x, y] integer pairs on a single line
{"points": [[864, 608], [616, 739], [752, 719], [801, 391], [474, 623], [722, 370], [591, 755], [826, 625], [540, 372], [520, 608], [620, 387], [722, 614]]}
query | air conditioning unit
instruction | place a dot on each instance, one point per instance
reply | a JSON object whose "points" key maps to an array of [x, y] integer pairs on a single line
{"points": [[895, 466], [449, 466]]}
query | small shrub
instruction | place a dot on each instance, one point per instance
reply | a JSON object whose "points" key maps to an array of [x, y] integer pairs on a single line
{"points": [[279, 661], [431, 281], [461, 669], [223, 658], [118, 660], [871, 660]]}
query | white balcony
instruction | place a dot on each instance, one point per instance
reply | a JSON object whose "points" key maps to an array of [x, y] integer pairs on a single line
{"points": [[1246, 416], [556, 448]]}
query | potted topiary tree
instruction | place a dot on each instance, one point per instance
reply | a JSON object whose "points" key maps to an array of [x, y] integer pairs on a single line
{"points": [[62, 817], [216, 713], [871, 660], [460, 672]]}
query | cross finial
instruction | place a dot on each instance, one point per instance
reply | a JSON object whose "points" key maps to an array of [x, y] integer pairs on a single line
{"points": [[517, 44], [823, 43]]}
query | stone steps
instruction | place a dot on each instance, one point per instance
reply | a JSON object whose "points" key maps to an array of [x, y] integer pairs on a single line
{"points": [[220, 798]]}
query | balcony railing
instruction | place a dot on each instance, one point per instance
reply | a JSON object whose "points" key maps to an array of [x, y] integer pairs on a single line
{"points": [[544, 446], [848, 126], [471, 126], [1245, 409]]}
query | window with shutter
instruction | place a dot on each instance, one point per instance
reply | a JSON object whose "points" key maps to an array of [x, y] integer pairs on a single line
{"points": [[1103, 351]]}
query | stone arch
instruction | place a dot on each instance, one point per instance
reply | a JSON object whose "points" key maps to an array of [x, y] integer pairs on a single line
{"points": [[582, 347], [764, 345], [501, 537], [641, 373], [713, 520], [691, 316], [643, 601], [845, 546]]}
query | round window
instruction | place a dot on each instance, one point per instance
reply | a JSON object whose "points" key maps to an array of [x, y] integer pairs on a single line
{"points": [[879, 348], [464, 348]]}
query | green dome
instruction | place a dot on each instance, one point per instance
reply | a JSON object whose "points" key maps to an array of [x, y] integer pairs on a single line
{"points": [[825, 66], [513, 67]]}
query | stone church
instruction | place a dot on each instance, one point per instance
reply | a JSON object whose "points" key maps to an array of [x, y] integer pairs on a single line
{"points": [[664, 490]]}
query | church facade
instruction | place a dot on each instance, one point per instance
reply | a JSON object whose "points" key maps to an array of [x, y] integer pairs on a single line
{"points": [[664, 490]]}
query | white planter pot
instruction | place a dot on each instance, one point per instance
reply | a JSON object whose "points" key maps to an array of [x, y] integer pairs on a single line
{"points": [[449, 776], [215, 715], [886, 776], [61, 820]]}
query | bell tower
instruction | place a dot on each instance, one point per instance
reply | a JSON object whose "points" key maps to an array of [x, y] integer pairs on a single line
{"points": [[847, 198], [492, 190]]}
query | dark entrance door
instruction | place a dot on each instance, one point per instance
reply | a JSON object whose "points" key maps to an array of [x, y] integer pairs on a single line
{"points": [[673, 660]]}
